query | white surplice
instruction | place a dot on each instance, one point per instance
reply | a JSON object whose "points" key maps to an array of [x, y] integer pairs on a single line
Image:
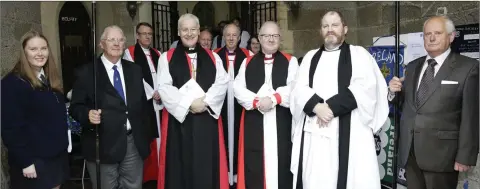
{"points": [[178, 102], [231, 113], [320, 150], [246, 97]]}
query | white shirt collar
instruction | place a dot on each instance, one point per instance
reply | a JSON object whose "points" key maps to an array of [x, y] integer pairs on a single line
{"points": [[41, 72], [109, 65], [334, 49], [440, 58]]}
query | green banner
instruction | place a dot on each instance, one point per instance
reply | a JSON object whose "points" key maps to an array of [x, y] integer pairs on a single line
{"points": [[384, 147]]}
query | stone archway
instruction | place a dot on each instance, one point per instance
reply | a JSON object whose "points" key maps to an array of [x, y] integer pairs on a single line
{"points": [[205, 12]]}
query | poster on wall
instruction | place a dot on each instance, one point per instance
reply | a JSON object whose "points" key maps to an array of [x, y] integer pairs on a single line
{"points": [[415, 47], [466, 40]]}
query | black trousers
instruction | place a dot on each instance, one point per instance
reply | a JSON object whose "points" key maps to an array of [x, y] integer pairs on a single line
{"points": [[420, 179]]}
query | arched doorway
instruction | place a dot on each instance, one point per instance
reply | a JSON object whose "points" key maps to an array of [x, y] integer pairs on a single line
{"points": [[205, 12], [75, 41]]}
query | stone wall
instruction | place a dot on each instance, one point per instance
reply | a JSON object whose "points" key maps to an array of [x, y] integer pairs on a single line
{"points": [[366, 20], [16, 18], [306, 26]]}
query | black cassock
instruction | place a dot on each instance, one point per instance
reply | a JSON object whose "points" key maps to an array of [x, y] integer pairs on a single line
{"points": [[192, 153]]}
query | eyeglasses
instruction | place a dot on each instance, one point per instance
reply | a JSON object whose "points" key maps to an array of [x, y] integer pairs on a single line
{"points": [[191, 30], [113, 40], [146, 34], [269, 36]]}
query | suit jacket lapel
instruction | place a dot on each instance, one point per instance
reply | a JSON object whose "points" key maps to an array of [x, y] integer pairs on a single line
{"points": [[128, 76], [444, 71]]}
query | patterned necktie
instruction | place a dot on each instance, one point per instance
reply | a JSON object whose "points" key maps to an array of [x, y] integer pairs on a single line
{"points": [[426, 82], [117, 82], [44, 80]]}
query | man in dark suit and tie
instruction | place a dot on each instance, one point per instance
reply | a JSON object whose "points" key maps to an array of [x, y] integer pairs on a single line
{"points": [[439, 125], [121, 101]]}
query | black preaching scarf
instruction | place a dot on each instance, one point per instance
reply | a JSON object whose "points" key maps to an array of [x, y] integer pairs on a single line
{"points": [[141, 59], [253, 125], [341, 105], [180, 67]]}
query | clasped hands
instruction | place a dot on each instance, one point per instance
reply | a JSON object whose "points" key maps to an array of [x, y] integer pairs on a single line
{"points": [[264, 104], [198, 106], [324, 114]]}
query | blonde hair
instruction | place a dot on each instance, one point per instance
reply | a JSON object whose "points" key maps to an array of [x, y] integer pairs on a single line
{"points": [[24, 70]]}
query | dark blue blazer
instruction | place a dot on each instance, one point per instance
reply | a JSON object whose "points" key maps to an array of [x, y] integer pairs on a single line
{"points": [[34, 122]]}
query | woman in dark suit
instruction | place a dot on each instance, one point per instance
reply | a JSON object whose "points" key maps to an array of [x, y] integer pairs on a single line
{"points": [[34, 122]]}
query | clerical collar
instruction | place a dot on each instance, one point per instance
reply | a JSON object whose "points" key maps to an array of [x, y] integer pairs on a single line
{"points": [[190, 50], [268, 57], [231, 53], [334, 49]]}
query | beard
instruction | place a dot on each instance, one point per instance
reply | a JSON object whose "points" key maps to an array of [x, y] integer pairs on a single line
{"points": [[332, 41]]}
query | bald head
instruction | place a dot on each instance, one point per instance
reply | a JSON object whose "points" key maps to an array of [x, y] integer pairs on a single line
{"points": [[270, 25], [206, 39], [269, 36]]}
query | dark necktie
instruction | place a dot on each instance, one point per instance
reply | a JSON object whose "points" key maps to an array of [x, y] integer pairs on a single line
{"points": [[44, 80], [426, 82], [117, 82]]}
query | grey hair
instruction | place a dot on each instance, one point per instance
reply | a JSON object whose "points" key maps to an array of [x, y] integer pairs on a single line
{"points": [[105, 31], [449, 26], [188, 16], [231, 24], [269, 23]]}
